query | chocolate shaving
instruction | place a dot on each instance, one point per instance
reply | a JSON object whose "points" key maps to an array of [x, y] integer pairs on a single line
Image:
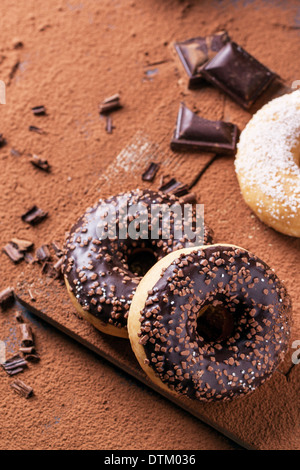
{"points": [[150, 172], [22, 245], [13, 253], [15, 153], [14, 365], [22, 389], [38, 130], [34, 216], [58, 249], [26, 335], [7, 298], [112, 103], [39, 110], [109, 126], [40, 163], [43, 253], [19, 317], [2, 141]]}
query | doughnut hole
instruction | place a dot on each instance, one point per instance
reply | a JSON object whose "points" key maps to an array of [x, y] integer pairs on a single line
{"points": [[215, 323], [141, 260]]}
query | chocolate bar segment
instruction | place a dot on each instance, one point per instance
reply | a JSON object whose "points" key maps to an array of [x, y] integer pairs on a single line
{"points": [[195, 133], [239, 74], [196, 52]]}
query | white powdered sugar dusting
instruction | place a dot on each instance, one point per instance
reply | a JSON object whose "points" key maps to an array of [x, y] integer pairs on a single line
{"points": [[268, 154]]}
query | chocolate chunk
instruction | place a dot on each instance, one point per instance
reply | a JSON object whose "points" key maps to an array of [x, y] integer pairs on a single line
{"points": [[13, 253], [239, 74], [112, 103], [22, 389], [196, 52], [7, 298], [150, 172], [196, 133], [34, 216], [39, 110], [40, 163]]}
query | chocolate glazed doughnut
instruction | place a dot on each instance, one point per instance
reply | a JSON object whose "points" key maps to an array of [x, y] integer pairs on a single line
{"points": [[101, 275], [210, 323]]}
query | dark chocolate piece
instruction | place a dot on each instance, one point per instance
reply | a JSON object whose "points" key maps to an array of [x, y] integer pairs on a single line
{"points": [[196, 52], [39, 110], [196, 133], [34, 216], [238, 74], [22, 389], [26, 335], [14, 365], [7, 298], [150, 172], [40, 163], [13, 253]]}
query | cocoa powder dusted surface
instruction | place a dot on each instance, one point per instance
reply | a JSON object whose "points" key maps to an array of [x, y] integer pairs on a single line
{"points": [[68, 57]]}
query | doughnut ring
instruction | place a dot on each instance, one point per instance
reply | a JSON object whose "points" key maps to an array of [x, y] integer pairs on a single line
{"points": [[210, 323], [101, 274], [268, 164]]}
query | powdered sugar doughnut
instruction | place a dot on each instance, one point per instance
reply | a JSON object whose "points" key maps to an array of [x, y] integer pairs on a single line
{"points": [[268, 164]]}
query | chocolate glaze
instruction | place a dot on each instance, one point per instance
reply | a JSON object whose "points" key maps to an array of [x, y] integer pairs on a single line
{"points": [[98, 271], [231, 278]]}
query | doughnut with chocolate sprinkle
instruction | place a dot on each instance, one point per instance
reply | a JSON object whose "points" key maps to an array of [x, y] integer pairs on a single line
{"points": [[210, 323], [103, 272]]}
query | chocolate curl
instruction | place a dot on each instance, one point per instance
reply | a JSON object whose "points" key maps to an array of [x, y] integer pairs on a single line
{"points": [[26, 335], [22, 389]]}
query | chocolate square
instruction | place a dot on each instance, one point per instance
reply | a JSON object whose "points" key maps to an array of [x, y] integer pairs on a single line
{"points": [[196, 52], [196, 133], [238, 74]]}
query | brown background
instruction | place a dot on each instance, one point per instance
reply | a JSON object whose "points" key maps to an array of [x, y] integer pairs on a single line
{"points": [[75, 54]]}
